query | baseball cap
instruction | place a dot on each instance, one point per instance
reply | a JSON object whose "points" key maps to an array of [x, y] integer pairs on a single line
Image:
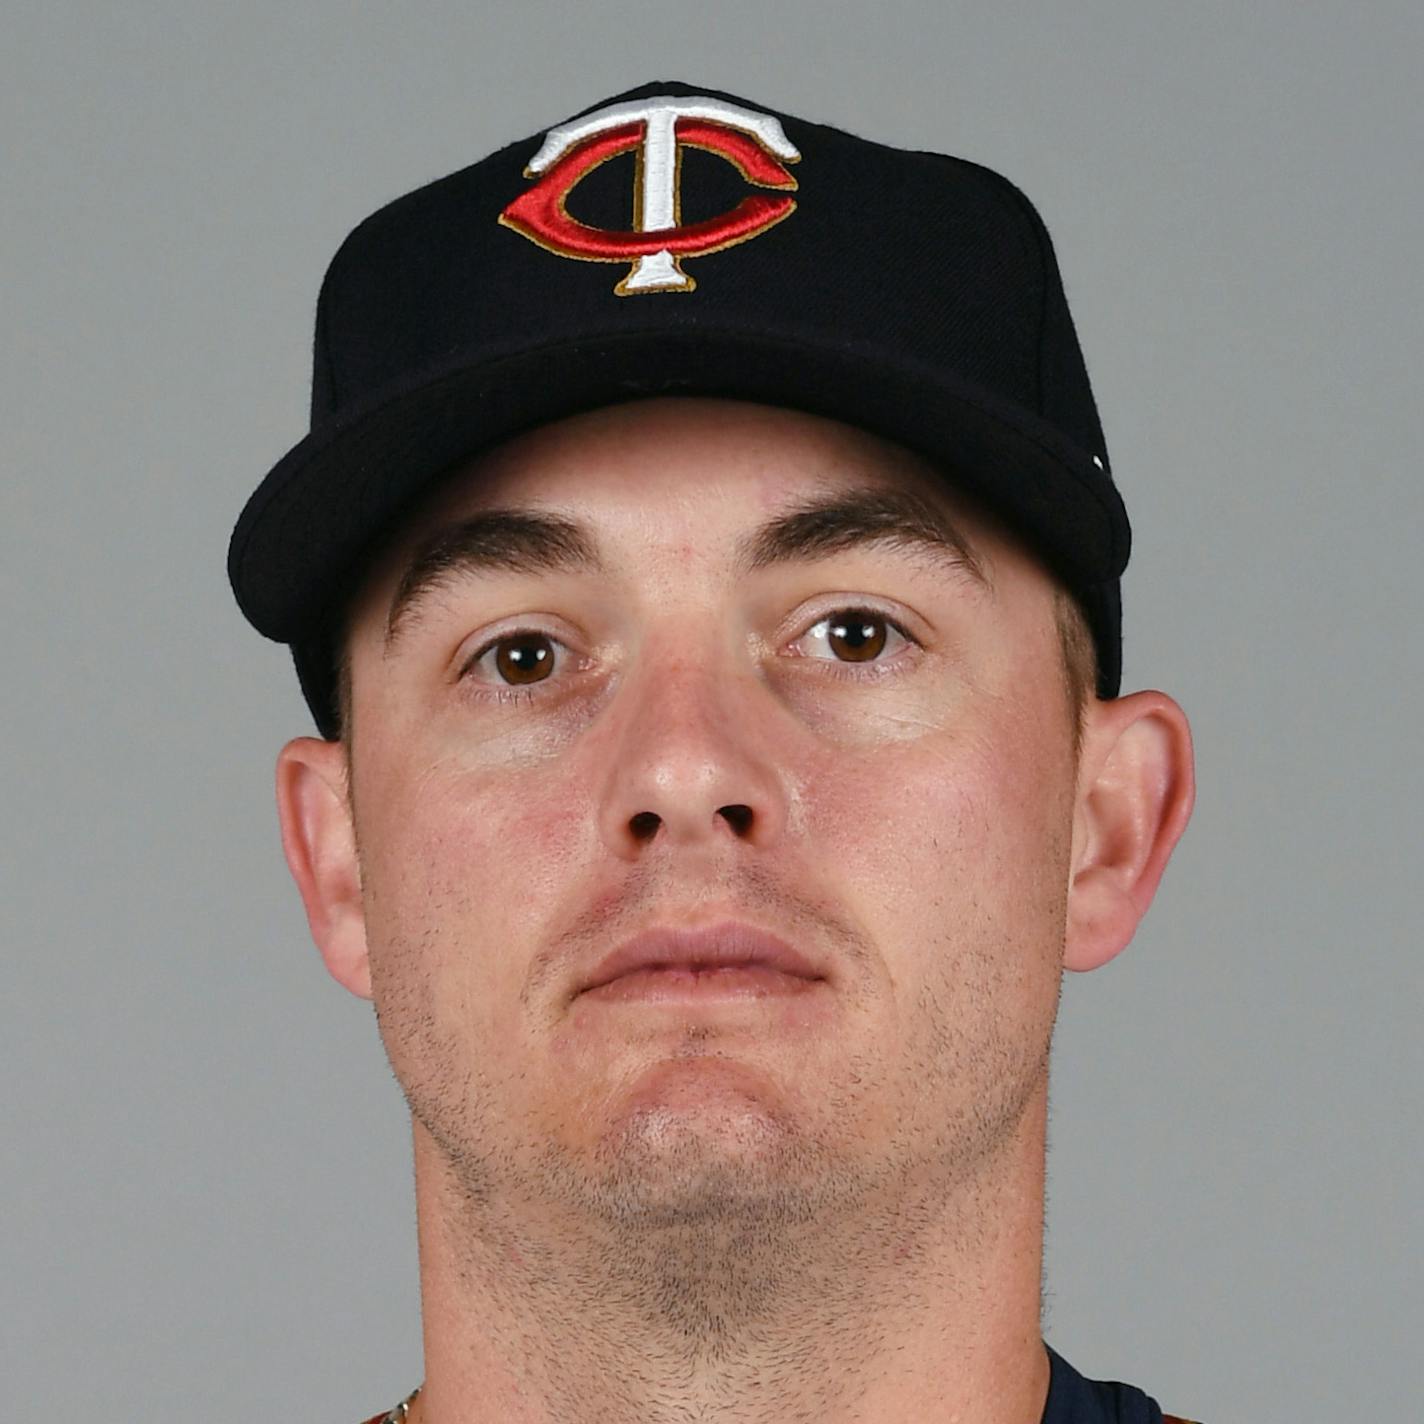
{"points": [[679, 240]]}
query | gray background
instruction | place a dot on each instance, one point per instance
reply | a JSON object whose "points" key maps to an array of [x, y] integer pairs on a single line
{"points": [[207, 1204]]}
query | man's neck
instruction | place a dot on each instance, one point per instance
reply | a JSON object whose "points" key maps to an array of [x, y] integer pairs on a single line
{"points": [[921, 1311]]}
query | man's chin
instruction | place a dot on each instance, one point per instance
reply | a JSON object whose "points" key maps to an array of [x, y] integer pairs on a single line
{"points": [[689, 1156]]}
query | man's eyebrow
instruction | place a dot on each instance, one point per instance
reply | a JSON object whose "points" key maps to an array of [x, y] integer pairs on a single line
{"points": [[529, 541], [886, 518], [520, 541]]}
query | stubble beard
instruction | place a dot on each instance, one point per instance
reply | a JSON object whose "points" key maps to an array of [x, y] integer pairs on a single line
{"points": [[699, 1236]]}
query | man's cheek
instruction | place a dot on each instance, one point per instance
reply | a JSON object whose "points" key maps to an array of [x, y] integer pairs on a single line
{"points": [[952, 814], [470, 819], [904, 812], [487, 860]]}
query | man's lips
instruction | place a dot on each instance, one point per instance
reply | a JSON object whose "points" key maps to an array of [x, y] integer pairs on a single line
{"points": [[708, 954], [681, 985]]}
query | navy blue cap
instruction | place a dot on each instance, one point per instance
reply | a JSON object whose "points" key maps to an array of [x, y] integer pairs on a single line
{"points": [[676, 240]]}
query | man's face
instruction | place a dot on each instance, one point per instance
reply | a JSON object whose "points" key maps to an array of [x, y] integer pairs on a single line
{"points": [[681, 739]]}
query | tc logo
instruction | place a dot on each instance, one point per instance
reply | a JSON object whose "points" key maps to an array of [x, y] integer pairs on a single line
{"points": [[658, 129]]}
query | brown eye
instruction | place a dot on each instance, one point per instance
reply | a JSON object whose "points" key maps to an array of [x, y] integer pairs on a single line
{"points": [[853, 635], [860, 635], [521, 659]]}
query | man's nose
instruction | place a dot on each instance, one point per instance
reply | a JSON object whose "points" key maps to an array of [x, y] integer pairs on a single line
{"points": [[694, 758]]}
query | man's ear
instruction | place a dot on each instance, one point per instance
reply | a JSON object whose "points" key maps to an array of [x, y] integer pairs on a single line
{"points": [[319, 841], [1136, 788]]}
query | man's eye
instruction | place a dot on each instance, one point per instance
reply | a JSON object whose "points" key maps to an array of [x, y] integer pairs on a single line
{"points": [[853, 635], [522, 658], [526, 657]]}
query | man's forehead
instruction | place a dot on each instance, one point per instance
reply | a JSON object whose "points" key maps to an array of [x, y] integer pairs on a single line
{"points": [[781, 484], [670, 455]]}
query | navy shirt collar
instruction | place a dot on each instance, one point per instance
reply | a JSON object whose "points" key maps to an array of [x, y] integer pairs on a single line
{"points": [[1075, 1399]]}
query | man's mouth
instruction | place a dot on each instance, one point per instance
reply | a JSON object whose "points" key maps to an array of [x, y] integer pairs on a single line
{"points": [[730, 957], [679, 982]]}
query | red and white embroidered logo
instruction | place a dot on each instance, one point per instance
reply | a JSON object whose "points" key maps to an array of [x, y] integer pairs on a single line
{"points": [[658, 129]]}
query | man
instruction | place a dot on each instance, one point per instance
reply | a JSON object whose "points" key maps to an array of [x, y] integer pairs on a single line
{"points": [[717, 666]]}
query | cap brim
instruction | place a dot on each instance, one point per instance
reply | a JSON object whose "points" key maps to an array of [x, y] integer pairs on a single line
{"points": [[336, 494]]}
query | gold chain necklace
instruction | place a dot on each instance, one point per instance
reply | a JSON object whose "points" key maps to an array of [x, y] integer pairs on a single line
{"points": [[401, 1412]]}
